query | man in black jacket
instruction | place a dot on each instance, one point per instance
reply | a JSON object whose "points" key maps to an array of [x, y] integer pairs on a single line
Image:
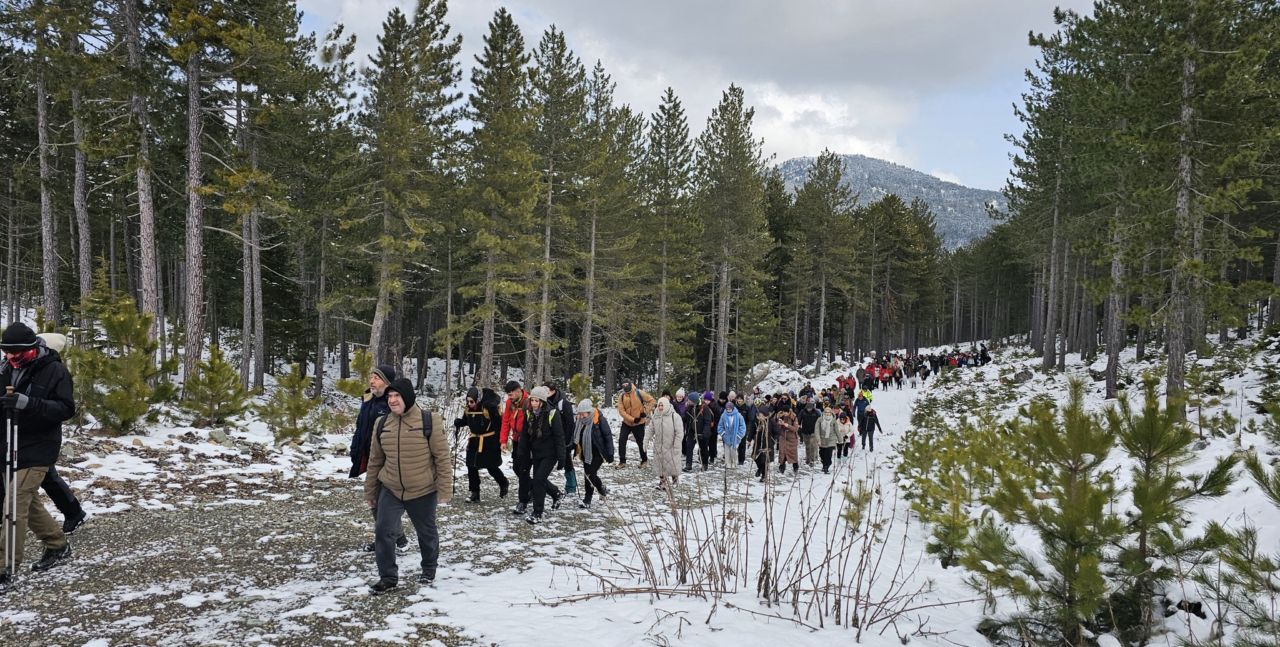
{"points": [[542, 445], [41, 401]]}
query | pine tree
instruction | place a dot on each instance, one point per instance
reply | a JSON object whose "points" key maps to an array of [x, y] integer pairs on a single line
{"points": [[117, 377], [1160, 446], [213, 393], [730, 202], [825, 203], [1065, 502], [287, 408], [502, 186]]}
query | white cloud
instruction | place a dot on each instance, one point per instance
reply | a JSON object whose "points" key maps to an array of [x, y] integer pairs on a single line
{"points": [[946, 177]]}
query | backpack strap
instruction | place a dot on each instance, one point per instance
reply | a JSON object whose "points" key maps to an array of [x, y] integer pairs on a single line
{"points": [[426, 425]]}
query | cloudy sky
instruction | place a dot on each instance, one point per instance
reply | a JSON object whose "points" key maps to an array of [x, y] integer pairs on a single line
{"points": [[925, 83]]}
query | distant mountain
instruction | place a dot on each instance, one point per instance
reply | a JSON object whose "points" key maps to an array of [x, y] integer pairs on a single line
{"points": [[961, 212]]}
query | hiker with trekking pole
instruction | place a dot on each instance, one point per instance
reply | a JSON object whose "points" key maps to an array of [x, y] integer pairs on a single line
{"points": [[37, 400]]}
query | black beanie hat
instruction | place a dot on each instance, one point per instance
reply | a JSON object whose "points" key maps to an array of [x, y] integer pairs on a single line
{"points": [[512, 385], [405, 388], [473, 394], [18, 336], [387, 372]]}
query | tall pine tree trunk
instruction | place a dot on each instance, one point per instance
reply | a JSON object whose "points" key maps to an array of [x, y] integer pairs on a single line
{"points": [[1115, 309], [1273, 309], [1063, 278], [1051, 293], [194, 320], [383, 303], [662, 319], [1181, 306], [722, 324], [320, 311], [822, 317], [484, 372], [79, 197], [146, 204], [588, 317], [544, 311], [48, 240]]}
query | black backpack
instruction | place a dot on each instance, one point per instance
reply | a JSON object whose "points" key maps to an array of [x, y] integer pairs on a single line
{"points": [[426, 425]]}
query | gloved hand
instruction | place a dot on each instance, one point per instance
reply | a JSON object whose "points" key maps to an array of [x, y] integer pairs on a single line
{"points": [[13, 401]]}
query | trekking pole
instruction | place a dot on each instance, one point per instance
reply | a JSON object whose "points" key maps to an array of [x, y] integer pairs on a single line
{"points": [[10, 490], [452, 409]]}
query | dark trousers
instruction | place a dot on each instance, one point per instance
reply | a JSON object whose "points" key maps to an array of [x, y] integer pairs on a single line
{"points": [[522, 467], [825, 453], [473, 477], [422, 514], [707, 444], [688, 443], [763, 459], [742, 451], [868, 439], [592, 479], [842, 449], [542, 485], [60, 493], [627, 431]]}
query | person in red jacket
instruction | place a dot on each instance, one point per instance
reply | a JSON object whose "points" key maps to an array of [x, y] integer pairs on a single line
{"points": [[512, 422]]}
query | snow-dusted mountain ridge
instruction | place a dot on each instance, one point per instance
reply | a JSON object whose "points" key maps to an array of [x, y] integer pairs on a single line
{"points": [[961, 211]]}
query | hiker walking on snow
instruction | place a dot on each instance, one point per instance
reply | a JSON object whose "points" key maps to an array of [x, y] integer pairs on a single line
{"points": [[845, 431], [707, 419], [828, 436], [684, 407], [788, 438], [593, 443], [667, 430], [410, 471], [41, 401], [373, 405], [870, 424], [484, 451], [732, 429], [542, 446], [564, 410], [634, 405], [512, 422]]}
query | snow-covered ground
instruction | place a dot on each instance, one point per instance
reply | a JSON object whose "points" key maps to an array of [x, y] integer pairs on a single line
{"points": [[194, 541]]}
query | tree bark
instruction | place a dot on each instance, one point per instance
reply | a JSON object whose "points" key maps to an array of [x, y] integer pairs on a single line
{"points": [[722, 324], [1273, 309], [1115, 309], [79, 197], [48, 237], [822, 318], [194, 319], [1180, 309], [1051, 294], [588, 317], [1066, 333], [383, 304], [544, 310], [662, 319], [484, 372], [146, 204]]}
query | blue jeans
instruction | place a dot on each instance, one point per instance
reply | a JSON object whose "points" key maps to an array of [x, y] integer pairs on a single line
{"points": [[422, 513]]}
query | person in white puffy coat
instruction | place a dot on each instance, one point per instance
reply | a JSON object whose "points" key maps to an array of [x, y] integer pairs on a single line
{"points": [[667, 431]]}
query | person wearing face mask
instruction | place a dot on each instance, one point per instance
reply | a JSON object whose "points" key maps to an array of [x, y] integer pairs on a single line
{"points": [[410, 471], [373, 405], [542, 446], [634, 405], [40, 402], [593, 443], [668, 432], [828, 436]]}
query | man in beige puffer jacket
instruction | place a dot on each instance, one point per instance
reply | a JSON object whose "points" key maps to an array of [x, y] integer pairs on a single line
{"points": [[409, 471]]}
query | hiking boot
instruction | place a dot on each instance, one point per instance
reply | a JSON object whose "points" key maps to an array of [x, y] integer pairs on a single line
{"points": [[644, 464], [555, 502], [383, 585], [6, 580], [533, 519], [502, 490], [687, 469], [474, 498], [70, 524], [368, 548], [520, 508], [427, 579], [52, 557], [619, 466], [584, 505], [402, 543]]}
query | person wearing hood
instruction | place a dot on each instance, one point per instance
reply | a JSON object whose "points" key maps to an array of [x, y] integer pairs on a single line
{"points": [[684, 407], [373, 405], [542, 446], [808, 427], [667, 430], [748, 411], [593, 443], [634, 405], [482, 419], [410, 471], [765, 439], [41, 401], [732, 429], [828, 436]]}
